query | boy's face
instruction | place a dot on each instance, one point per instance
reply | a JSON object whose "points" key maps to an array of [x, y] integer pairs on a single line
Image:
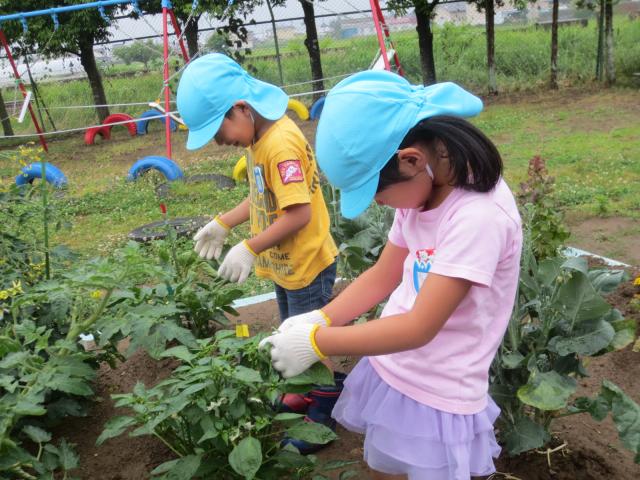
{"points": [[237, 128]]}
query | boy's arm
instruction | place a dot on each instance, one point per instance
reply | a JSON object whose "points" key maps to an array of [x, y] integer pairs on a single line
{"points": [[237, 215], [295, 218]]}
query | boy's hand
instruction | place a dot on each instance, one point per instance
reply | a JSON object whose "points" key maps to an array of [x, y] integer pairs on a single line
{"points": [[295, 350], [236, 266], [315, 317], [210, 239]]}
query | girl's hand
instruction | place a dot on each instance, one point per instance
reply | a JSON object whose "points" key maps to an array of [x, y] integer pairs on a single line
{"points": [[295, 350], [315, 317]]}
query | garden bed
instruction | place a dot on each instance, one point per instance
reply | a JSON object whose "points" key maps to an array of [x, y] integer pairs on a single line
{"points": [[592, 449]]}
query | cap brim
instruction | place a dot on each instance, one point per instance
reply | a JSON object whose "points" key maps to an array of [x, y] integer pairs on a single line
{"points": [[268, 100], [354, 202], [199, 138]]}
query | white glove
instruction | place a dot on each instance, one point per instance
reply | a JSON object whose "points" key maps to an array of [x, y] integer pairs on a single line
{"points": [[236, 266], [210, 239], [295, 350], [315, 317]]}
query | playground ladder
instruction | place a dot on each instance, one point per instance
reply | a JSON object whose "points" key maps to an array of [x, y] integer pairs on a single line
{"points": [[384, 39]]}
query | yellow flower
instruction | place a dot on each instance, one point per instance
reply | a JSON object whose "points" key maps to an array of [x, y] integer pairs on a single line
{"points": [[17, 287], [4, 294], [636, 282], [96, 294]]}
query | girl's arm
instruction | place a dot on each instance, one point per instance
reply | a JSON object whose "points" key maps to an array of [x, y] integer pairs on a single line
{"points": [[370, 288], [436, 301], [237, 215]]}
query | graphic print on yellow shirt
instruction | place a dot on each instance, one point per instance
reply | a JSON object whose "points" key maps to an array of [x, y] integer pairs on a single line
{"points": [[282, 172]]}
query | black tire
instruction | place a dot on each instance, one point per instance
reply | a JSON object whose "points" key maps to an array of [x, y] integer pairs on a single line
{"points": [[221, 181], [183, 226]]}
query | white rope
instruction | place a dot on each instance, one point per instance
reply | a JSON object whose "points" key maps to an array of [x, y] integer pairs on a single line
{"points": [[71, 107], [305, 93], [86, 128], [313, 81]]}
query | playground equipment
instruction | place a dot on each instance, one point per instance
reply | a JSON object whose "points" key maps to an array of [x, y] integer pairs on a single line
{"points": [[104, 130], [184, 226], [298, 107], [143, 123], [53, 174], [168, 168], [316, 109], [240, 170]]}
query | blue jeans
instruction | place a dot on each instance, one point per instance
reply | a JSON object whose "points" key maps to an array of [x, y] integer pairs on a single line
{"points": [[315, 295]]}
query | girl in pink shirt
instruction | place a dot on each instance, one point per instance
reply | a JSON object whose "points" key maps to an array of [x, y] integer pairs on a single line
{"points": [[449, 271]]}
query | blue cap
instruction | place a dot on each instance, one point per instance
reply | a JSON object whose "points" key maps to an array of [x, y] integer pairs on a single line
{"points": [[209, 87], [365, 118]]}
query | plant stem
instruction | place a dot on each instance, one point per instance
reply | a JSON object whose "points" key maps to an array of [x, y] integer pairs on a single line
{"points": [[167, 444], [45, 220]]}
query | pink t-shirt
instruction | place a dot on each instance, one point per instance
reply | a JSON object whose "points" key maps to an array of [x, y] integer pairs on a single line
{"points": [[475, 236]]}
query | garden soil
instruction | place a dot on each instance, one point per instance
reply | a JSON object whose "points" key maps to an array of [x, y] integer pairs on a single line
{"points": [[591, 450]]}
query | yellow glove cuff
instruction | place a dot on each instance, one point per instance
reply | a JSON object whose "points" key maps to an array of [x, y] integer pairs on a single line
{"points": [[221, 223], [246, 244], [326, 317], [312, 337]]}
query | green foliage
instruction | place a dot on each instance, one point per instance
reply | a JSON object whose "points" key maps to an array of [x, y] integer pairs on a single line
{"points": [[545, 221], [139, 51], [217, 413], [559, 319], [360, 241]]}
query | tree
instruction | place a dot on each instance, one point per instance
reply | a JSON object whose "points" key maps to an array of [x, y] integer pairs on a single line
{"points": [[425, 12], [489, 7], [139, 51], [313, 47], [6, 121], [553, 80], [605, 52], [188, 17], [77, 33]]}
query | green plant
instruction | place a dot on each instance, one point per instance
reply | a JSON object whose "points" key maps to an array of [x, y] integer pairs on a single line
{"points": [[216, 413], [360, 241], [547, 228], [559, 319]]}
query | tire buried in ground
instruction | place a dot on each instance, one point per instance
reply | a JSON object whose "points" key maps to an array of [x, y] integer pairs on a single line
{"points": [[184, 226]]}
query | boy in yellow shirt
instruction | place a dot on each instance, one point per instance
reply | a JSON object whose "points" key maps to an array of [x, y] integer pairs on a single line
{"points": [[290, 241]]}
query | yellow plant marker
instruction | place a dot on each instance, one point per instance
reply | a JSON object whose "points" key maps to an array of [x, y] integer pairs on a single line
{"points": [[242, 330]]}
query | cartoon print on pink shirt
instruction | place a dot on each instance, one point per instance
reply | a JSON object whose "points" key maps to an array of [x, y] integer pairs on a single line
{"points": [[421, 266]]}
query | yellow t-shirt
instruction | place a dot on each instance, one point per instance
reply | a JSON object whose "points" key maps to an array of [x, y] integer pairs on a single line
{"points": [[282, 171]]}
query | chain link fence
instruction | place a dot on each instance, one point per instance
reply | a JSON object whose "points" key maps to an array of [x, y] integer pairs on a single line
{"points": [[274, 50]]}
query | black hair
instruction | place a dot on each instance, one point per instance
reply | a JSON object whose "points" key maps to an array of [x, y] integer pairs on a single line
{"points": [[474, 160]]}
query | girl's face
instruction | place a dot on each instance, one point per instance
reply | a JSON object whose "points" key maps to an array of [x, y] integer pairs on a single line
{"points": [[237, 128], [413, 192]]}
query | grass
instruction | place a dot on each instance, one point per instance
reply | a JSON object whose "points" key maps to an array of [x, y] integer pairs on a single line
{"points": [[588, 139], [522, 58]]}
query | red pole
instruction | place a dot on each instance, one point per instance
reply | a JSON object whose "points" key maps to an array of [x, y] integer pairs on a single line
{"points": [[176, 29], [396, 59], [3, 39], [167, 96], [376, 22]]}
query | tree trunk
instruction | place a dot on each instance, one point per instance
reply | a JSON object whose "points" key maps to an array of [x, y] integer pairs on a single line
{"points": [[610, 69], [191, 34], [489, 13], [6, 121], [313, 47], [553, 80], [275, 39], [600, 54], [425, 42], [88, 61]]}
